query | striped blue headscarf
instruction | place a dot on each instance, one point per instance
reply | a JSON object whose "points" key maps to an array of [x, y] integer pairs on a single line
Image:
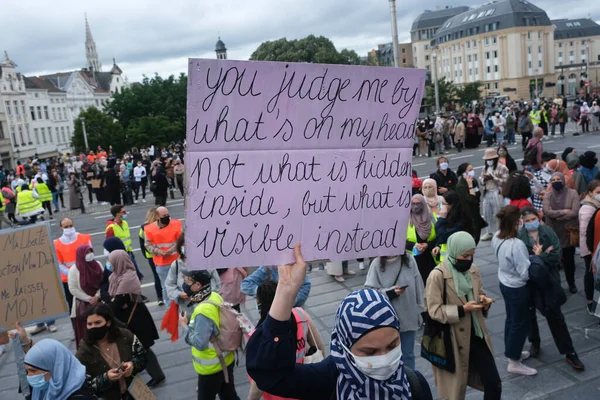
{"points": [[361, 312]]}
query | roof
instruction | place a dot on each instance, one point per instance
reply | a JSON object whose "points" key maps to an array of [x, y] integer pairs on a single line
{"points": [[220, 46], [434, 19], [99, 81], [34, 82], [499, 14], [575, 28]]}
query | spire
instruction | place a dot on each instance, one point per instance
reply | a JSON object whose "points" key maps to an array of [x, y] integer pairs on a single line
{"points": [[90, 49], [7, 60]]}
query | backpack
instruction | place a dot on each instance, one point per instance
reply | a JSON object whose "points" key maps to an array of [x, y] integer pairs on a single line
{"points": [[531, 154], [523, 123]]}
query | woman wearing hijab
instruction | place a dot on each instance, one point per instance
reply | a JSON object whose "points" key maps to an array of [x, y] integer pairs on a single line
{"points": [[84, 284], [127, 306], [557, 165], [53, 372], [464, 309], [513, 274], [366, 356], [468, 190], [111, 244], [561, 209], [112, 356], [420, 237], [430, 192], [398, 277], [492, 180]]}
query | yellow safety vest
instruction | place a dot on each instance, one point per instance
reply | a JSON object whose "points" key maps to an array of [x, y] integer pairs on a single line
{"points": [[206, 361], [26, 202], [411, 234], [143, 237], [2, 205], [122, 232], [535, 117], [443, 253], [44, 192]]}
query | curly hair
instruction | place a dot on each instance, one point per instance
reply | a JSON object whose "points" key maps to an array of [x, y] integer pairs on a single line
{"points": [[517, 187]]}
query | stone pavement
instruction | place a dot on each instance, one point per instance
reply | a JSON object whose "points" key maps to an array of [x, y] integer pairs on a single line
{"points": [[555, 379]]}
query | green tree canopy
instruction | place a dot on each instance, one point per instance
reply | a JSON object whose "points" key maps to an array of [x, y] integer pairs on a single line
{"points": [[153, 111], [447, 93], [469, 92], [311, 49], [101, 130]]}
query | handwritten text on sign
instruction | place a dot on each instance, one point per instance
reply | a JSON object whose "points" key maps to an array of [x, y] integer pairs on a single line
{"points": [[29, 285], [283, 153]]}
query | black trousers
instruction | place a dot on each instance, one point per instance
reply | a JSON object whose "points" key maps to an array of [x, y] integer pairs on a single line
{"points": [[568, 259], [209, 386], [525, 136], [482, 361], [68, 296], [558, 328], [48, 206], [153, 367], [588, 279]]}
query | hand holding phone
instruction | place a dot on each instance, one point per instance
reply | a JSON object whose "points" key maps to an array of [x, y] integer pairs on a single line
{"points": [[400, 290]]}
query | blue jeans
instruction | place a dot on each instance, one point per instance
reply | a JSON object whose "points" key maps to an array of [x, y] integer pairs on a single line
{"points": [[407, 341], [163, 272], [55, 200], [510, 137], [53, 322], [516, 326]]}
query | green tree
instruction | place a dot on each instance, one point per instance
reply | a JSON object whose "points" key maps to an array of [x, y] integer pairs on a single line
{"points": [[101, 130], [446, 90], [469, 92], [153, 111], [311, 49]]}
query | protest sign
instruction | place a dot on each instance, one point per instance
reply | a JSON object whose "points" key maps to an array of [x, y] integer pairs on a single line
{"points": [[30, 286], [280, 153], [139, 390]]}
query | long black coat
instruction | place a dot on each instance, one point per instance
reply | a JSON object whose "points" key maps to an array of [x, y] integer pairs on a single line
{"points": [[141, 324]]}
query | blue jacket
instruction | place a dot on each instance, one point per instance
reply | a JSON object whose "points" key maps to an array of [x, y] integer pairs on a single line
{"points": [[546, 292], [251, 283]]}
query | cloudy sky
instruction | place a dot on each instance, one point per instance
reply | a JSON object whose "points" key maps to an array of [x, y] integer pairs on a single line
{"points": [[157, 36]]}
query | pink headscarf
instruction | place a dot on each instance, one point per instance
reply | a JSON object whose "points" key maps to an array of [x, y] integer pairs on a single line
{"points": [[432, 201], [124, 279]]}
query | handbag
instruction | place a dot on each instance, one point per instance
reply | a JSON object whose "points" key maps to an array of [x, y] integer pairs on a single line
{"points": [[81, 307], [573, 235], [313, 355], [436, 344]]}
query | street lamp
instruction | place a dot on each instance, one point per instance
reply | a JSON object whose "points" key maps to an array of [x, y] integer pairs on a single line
{"points": [[394, 33], [84, 133], [435, 82]]}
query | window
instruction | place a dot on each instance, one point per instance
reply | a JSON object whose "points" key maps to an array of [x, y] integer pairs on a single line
{"points": [[571, 53], [426, 47], [50, 134], [486, 28], [494, 40], [57, 137], [577, 23], [16, 103], [7, 106], [46, 112], [495, 53], [540, 63], [490, 12], [468, 44], [481, 14], [475, 57], [36, 133], [488, 86], [460, 60], [43, 134], [470, 71], [494, 26], [476, 70], [529, 64], [560, 45], [62, 133], [528, 49], [528, 35], [560, 54], [53, 114], [583, 52], [426, 58], [571, 44], [495, 85], [23, 107], [21, 134], [472, 17], [32, 111], [65, 112], [487, 40], [469, 58], [540, 49], [569, 24], [540, 35], [495, 68], [488, 69], [12, 132], [39, 112], [28, 133]]}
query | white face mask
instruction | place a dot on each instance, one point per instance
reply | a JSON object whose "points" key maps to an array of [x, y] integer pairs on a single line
{"points": [[597, 197], [470, 173], [89, 257], [443, 166], [69, 232], [106, 253], [489, 163], [380, 368]]}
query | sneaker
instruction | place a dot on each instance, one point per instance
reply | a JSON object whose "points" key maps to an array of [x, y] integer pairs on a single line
{"points": [[361, 266], [534, 351], [135, 202], [349, 272], [37, 329], [161, 302], [574, 362], [52, 328], [339, 278], [486, 237], [590, 308], [143, 200], [525, 355], [145, 299], [517, 367]]}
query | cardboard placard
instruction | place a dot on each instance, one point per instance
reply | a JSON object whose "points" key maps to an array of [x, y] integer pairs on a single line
{"points": [[139, 390], [96, 183], [30, 287]]}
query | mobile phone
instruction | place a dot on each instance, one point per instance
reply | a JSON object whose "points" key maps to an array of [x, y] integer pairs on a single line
{"points": [[182, 313], [121, 367], [490, 302], [403, 287]]}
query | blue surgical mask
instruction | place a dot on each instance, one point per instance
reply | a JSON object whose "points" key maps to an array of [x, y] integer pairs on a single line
{"points": [[38, 381], [108, 266], [124, 217], [532, 226]]}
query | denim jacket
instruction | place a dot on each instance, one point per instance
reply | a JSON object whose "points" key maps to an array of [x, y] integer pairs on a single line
{"points": [[251, 283]]}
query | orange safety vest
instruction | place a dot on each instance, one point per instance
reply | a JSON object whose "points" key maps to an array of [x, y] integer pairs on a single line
{"points": [[301, 346], [164, 238], [66, 253]]}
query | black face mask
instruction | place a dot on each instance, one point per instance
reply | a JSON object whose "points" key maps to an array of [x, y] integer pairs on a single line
{"points": [[463, 265], [96, 334], [165, 220], [187, 289]]}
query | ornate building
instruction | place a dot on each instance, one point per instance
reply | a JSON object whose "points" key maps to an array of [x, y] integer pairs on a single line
{"points": [[93, 63], [221, 50]]}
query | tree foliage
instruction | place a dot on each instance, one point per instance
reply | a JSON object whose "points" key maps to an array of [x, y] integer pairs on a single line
{"points": [[311, 49], [469, 92], [151, 112], [101, 130], [447, 92]]}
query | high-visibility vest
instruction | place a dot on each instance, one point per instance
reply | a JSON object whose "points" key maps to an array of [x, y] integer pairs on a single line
{"points": [[411, 234], [44, 192], [206, 361], [535, 117], [164, 238], [27, 203], [142, 235], [122, 232], [2, 204], [67, 253], [443, 253]]}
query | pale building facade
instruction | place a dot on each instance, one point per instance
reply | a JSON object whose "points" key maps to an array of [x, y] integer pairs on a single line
{"points": [[507, 45]]}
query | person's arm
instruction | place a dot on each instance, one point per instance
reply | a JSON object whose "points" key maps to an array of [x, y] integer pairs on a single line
{"points": [[252, 281], [255, 392], [419, 286], [574, 207], [173, 290], [500, 175], [434, 291], [200, 333], [547, 207], [139, 357], [110, 232], [520, 259], [215, 280], [538, 155], [551, 257], [152, 249], [74, 286]]}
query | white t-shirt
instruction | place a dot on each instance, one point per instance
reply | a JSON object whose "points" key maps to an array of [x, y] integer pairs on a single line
{"points": [[139, 173], [77, 165]]}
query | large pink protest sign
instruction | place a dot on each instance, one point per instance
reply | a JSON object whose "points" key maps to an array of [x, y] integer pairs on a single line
{"points": [[280, 153]]}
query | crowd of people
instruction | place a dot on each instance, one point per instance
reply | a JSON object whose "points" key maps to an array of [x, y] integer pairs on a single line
{"points": [[538, 216]]}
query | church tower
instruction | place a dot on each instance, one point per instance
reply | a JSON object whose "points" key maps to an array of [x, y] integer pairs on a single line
{"points": [[221, 50], [90, 49]]}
